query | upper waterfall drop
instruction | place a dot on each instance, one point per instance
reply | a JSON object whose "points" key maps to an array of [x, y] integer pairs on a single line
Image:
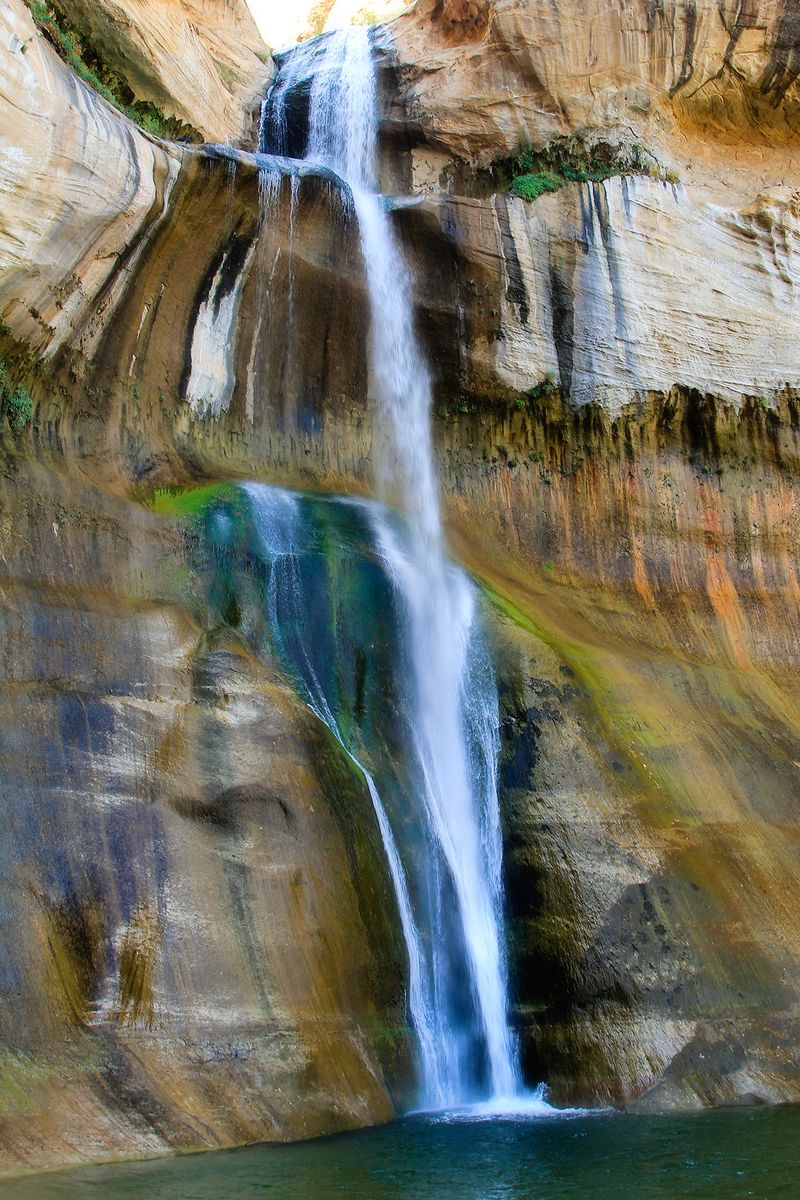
{"points": [[459, 1006]]}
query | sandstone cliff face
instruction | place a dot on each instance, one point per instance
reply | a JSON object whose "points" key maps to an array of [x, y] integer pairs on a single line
{"points": [[651, 733], [201, 62], [694, 77], [199, 968], [618, 290], [200, 941], [617, 377], [69, 164], [613, 291]]}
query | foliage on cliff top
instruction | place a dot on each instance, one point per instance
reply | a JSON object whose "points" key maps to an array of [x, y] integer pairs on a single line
{"points": [[368, 13], [573, 160], [77, 51]]}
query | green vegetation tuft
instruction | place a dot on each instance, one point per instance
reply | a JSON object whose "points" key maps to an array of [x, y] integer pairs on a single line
{"points": [[16, 403], [391, 1039], [531, 187], [546, 389], [573, 160], [77, 51]]}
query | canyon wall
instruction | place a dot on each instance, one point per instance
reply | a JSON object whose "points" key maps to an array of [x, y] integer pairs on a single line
{"points": [[200, 943], [713, 85], [199, 63], [211, 952]]}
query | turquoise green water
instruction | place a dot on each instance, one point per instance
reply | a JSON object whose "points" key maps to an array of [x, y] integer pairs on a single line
{"points": [[718, 1155]]}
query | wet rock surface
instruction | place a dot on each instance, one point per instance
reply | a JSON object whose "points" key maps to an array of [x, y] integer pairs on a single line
{"points": [[210, 951]]}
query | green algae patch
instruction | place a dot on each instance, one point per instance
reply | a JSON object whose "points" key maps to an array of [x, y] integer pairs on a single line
{"points": [[21, 1076], [582, 664], [191, 502], [514, 613], [635, 732]]}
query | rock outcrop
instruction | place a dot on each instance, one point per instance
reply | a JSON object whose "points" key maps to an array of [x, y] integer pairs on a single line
{"points": [[645, 576], [618, 422], [200, 62], [713, 84]]}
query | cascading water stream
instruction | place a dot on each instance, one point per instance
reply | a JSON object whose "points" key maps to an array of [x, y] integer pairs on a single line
{"points": [[452, 905], [279, 520]]}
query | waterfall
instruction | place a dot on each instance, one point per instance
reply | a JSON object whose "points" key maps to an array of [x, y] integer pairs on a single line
{"points": [[280, 526], [450, 897]]}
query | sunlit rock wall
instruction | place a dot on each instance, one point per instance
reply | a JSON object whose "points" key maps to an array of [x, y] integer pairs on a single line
{"points": [[478, 81], [199, 940], [201, 62]]}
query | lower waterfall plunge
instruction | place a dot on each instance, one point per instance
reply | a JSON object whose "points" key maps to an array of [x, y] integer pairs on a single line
{"points": [[449, 885]]}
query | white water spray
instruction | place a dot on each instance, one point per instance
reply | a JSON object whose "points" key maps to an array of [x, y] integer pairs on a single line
{"points": [[458, 994]]}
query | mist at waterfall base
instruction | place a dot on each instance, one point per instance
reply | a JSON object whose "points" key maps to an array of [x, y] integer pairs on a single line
{"points": [[445, 850]]}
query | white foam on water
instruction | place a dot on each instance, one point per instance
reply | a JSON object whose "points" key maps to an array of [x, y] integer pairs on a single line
{"points": [[524, 1106]]}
